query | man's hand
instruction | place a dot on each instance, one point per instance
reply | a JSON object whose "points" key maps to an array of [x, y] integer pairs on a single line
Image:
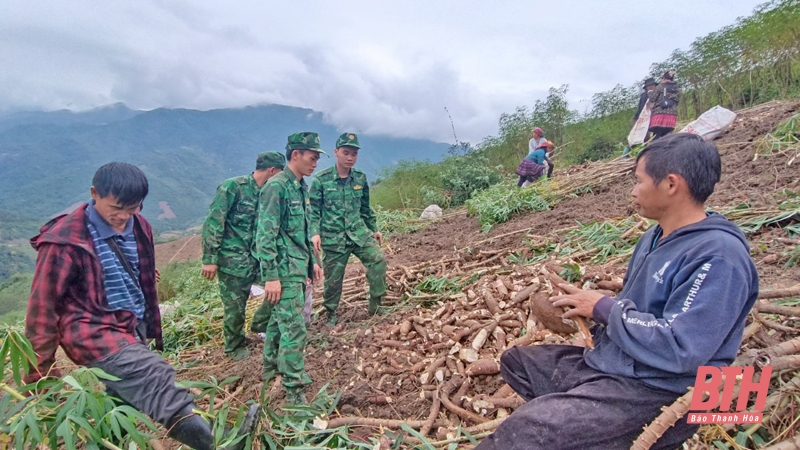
{"points": [[316, 241], [158, 276], [378, 236], [209, 271], [318, 274], [272, 291], [582, 302]]}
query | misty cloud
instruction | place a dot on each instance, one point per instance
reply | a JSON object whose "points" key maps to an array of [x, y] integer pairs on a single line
{"points": [[370, 67]]}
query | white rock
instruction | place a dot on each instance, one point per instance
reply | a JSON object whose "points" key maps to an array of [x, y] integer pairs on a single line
{"points": [[431, 212]]}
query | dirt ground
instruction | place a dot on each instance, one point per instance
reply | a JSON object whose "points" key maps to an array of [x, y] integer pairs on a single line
{"points": [[346, 356]]}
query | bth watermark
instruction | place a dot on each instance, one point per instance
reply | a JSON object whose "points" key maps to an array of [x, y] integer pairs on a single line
{"points": [[710, 378]]}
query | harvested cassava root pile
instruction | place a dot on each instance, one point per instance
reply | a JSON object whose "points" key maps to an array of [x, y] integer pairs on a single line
{"points": [[450, 354]]}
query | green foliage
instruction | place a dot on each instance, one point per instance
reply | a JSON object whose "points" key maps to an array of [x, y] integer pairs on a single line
{"points": [[185, 154], [498, 203], [13, 260], [15, 225], [449, 183], [462, 176], [399, 221], [784, 140], [14, 293], [596, 241], [72, 412], [443, 285], [752, 61], [193, 310]]}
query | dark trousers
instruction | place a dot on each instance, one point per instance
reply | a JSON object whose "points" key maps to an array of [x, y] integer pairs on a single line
{"points": [[146, 382], [659, 132], [549, 168], [572, 406], [522, 180]]}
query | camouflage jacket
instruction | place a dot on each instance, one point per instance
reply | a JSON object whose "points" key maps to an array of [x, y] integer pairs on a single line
{"points": [[229, 229], [340, 208], [282, 245]]}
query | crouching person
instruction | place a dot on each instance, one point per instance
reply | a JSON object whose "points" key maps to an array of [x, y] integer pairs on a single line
{"points": [[94, 293], [689, 287]]}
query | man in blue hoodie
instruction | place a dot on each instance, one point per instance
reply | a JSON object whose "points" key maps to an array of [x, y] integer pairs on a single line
{"points": [[689, 287]]}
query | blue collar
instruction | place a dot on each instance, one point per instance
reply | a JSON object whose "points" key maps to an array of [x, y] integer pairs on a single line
{"points": [[104, 230]]}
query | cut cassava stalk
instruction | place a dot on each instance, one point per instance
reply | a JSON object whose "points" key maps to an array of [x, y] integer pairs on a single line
{"points": [[667, 419], [769, 308], [790, 347], [793, 291], [789, 444], [773, 325], [372, 422], [788, 362]]}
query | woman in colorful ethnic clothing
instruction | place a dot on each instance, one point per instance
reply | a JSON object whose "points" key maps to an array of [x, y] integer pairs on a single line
{"points": [[533, 166], [664, 101]]}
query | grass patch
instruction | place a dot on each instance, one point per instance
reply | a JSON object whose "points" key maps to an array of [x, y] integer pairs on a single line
{"points": [[499, 202]]}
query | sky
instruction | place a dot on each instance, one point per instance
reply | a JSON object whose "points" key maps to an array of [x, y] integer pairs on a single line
{"points": [[374, 67]]}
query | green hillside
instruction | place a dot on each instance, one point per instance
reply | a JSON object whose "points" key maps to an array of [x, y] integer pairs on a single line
{"points": [[46, 166]]}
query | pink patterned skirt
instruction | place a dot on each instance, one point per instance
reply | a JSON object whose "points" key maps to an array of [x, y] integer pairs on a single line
{"points": [[528, 168], [663, 120]]}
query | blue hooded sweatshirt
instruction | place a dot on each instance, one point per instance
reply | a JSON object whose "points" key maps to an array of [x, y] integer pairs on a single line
{"points": [[683, 305]]}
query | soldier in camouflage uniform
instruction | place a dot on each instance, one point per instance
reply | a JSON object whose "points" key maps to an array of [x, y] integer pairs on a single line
{"points": [[343, 223], [228, 234], [287, 260]]}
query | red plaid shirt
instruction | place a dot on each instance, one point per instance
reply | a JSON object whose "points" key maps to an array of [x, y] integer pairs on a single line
{"points": [[68, 305]]}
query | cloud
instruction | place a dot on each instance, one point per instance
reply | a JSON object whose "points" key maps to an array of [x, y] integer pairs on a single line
{"points": [[368, 66]]}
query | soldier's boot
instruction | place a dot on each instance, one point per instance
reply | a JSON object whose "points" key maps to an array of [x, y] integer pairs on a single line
{"points": [[195, 431], [296, 397], [332, 320], [249, 424], [192, 430], [375, 307], [240, 353]]}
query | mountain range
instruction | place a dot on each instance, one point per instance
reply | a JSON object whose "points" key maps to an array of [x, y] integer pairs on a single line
{"points": [[47, 159]]}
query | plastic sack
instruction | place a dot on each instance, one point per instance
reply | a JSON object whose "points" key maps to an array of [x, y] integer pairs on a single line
{"points": [[639, 130], [711, 123]]}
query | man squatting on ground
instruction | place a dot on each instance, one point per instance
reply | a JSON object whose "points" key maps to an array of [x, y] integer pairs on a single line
{"points": [[94, 293], [342, 223], [689, 287], [228, 235], [287, 260]]}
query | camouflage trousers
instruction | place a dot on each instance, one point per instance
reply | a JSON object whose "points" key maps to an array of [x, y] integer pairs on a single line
{"points": [[286, 339], [234, 292], [334, 262]]}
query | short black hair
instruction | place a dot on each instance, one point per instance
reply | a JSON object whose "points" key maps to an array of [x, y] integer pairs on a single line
{"points": [[687, 155], [126, 182], [289, 153]]}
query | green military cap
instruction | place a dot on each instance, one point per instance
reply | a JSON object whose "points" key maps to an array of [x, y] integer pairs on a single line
{"points": [[347, 140], [270, 159], [304, 140]]}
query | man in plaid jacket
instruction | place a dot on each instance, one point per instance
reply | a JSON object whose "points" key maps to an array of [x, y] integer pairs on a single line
{"points": [[94, 293]]}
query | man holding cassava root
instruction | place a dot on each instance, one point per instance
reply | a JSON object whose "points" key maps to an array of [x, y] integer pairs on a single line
{"points": [[689, 287]]}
